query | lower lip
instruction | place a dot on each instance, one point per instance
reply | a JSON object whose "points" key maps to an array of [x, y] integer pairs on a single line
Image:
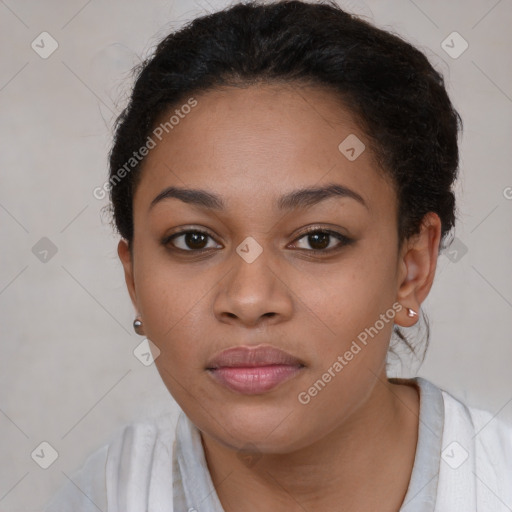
{"points": [[254, 380]]}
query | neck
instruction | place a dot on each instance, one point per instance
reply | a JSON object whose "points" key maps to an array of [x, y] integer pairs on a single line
{"points": [[364, 464]]}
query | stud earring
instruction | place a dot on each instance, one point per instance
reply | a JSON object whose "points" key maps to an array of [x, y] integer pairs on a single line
{"points": [[411, 313], [137, 326]]}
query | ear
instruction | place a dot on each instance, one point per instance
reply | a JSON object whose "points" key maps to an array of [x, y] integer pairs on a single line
{"points": [[417, 268], [123, 251]]}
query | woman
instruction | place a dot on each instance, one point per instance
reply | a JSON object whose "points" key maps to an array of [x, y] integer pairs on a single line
{"points": [[282, 181]]}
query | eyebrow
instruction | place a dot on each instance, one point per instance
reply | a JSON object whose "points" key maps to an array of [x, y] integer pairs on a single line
{"points": [[300, 198]]}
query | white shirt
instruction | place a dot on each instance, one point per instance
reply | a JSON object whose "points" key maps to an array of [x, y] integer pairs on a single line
{"points": [[463, 463]]}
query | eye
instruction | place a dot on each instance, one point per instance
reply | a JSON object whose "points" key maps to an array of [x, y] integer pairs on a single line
{"points": [[190, 241], [320, 241], [324, 240]]}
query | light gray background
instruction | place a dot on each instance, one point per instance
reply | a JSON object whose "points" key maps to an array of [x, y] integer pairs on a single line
{"points": [[68, 375]]}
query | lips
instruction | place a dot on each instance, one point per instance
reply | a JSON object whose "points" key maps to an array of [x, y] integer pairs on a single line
{"points": [[253, 370], [262, 355]]}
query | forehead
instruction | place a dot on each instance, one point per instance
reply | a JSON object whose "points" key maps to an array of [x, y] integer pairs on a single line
{"points": [[260, 141]]}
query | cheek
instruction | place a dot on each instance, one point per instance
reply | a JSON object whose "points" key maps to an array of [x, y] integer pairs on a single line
{"points": [[345, 298], [344, 312], [173, 304]]}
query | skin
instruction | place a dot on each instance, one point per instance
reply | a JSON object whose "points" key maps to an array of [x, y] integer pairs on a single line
{"points": [[354, 443]]}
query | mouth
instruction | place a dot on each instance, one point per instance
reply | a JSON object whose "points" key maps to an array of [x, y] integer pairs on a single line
{"points": [[253, 370]]}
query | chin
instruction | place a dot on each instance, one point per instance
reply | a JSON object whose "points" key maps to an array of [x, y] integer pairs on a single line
{"points": [[269, 429]]}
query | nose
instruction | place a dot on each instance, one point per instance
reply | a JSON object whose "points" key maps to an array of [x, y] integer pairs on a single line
{"points": [[252, 293]]}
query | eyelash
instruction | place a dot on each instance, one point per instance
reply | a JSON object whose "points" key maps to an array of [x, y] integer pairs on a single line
{"points": [[342, 238]]}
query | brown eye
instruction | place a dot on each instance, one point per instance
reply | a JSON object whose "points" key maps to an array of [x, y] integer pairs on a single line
{"points": [[190, 241], [321, 240]]}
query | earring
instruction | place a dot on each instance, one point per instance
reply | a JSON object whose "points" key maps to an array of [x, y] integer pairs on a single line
{"points": [[137, 326], [411, 313]]}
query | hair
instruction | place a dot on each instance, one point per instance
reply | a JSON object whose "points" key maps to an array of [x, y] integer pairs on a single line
{"points": [[397, 97]]}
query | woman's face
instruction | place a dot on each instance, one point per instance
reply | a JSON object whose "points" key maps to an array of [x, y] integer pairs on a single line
{"points": [[253, 278]]}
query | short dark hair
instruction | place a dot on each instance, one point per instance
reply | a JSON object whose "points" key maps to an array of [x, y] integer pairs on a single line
{"points": [[397, 97]]}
